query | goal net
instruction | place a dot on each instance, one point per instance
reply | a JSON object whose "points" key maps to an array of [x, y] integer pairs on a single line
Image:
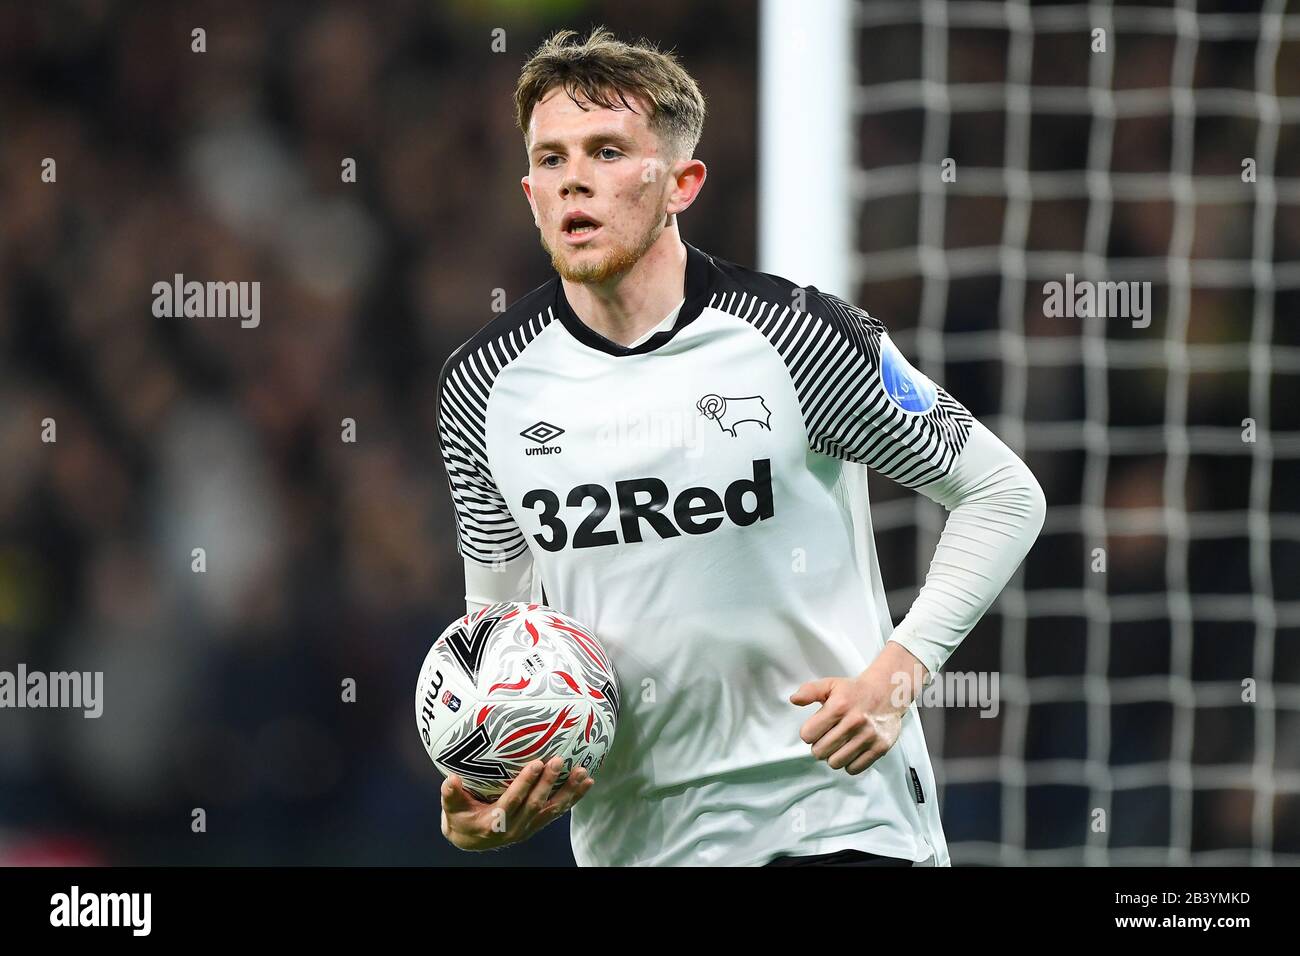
{"points": [[1147, 653]]}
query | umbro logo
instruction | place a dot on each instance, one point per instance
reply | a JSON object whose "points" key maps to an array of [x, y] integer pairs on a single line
{"points": [[542, 433]]}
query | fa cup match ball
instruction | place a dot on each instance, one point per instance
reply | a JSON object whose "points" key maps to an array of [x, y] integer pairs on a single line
{"points": [[513, 684]]}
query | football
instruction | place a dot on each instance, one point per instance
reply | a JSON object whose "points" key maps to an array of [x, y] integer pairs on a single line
{"points": [[512, 684]]}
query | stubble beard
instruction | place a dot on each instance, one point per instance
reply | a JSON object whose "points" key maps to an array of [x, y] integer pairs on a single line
{"points": [[614, 262]]}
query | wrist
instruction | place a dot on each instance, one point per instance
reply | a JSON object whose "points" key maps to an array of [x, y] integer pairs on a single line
{"points": [[901, 673]]}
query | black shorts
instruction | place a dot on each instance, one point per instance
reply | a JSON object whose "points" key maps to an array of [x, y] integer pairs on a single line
{"points": [[842, 858]]}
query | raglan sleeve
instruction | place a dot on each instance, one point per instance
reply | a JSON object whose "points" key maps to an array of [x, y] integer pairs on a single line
{"points": [[498, 564], [874, 408]]}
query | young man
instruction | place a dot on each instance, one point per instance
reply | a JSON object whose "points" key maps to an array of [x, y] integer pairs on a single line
{"points": [[673, 449]]}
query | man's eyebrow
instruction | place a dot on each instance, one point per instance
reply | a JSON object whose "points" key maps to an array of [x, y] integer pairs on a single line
{"points": [[591, 139]]}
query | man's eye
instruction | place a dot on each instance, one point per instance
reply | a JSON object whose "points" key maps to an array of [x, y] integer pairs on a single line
{"points": [[546, 160], [610, 149]]}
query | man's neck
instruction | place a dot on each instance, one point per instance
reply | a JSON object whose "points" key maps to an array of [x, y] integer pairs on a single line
{"points": [[631, 304]]}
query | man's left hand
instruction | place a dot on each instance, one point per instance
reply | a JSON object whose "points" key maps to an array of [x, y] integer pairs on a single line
{"points": [[861, 717]]}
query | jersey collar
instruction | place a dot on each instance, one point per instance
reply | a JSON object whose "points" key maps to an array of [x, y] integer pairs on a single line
{"points": [[699, 282]]}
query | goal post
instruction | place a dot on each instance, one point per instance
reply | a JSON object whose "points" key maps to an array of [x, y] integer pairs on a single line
{"points": [[805, 155]]}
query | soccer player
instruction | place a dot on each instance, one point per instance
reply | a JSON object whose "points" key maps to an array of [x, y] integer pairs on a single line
{"points": [[673, 449]]}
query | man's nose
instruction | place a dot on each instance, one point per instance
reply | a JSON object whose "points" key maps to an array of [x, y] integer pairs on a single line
{"points": [[575, 182]]}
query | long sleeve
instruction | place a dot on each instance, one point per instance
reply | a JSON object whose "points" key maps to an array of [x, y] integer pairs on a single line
{"points": [[996, 510], [498, 564], [508, 581], [882, 412]]}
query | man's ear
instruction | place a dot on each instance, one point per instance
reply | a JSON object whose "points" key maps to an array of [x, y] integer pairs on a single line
{"points": [[528, 192], [689, 180]]}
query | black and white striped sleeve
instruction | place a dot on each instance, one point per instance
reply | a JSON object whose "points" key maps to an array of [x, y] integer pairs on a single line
{"points": [[870, 406], [863, 402], [487, 534]]}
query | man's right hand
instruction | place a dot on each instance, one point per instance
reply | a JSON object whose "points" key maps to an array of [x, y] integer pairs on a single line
{"points": [[525, 807]]}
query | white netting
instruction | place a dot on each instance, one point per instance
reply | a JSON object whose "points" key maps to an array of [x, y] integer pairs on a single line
{"points": [[1184, 771]]}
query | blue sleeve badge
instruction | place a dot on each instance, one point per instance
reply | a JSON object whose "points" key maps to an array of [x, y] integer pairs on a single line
{"points": [[906, 387]]}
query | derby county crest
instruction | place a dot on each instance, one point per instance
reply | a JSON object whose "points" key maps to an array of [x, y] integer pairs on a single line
{"points": [[730, 412]]}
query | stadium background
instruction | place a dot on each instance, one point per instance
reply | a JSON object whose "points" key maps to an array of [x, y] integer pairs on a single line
{"points": [[329, 560]]}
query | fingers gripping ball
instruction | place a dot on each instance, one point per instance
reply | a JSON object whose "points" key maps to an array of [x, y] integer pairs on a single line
{"points": [[515, 683]]}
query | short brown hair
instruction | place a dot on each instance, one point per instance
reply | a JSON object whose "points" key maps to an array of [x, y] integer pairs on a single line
{"points": [[602, 69]]}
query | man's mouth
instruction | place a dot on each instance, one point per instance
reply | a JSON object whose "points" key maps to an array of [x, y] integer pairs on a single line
{"points": [[577, 227]]}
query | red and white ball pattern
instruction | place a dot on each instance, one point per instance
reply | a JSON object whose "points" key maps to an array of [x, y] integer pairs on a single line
{"points": [[513, 684]]}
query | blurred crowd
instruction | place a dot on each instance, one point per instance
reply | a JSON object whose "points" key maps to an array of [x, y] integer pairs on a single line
{"points": [[325, 560], [328, 560]]}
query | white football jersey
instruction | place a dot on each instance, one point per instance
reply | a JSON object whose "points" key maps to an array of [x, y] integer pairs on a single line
{"points": [[700, 501]]}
